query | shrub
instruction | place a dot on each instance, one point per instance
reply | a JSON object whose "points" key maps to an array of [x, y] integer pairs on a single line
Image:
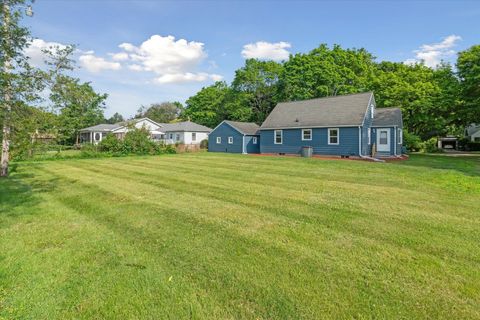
{"points": [[89, 150], [204, 144], [430, 145], [472, 146], [110, 144], [412, 142], [138, 141]]}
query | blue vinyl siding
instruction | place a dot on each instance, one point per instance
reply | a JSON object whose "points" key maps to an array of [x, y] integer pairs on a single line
{"points": [[367, 123], [292, 142], [250, 147], [224, 131]]}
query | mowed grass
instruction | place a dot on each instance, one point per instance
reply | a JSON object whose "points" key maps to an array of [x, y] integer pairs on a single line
{"points": [[223, 236]]}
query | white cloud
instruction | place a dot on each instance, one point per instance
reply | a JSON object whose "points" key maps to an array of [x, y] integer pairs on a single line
{"points": [[121, 56], [35, 50], [187, 77], [266, 50], [135, 67], [173, 61], [96, 64], [433, 54]]}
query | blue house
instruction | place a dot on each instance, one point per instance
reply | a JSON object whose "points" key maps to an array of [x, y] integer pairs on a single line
{"points": [[235, 137], [348, 125]]}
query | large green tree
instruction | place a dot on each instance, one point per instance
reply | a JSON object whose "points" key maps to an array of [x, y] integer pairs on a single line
{"points": [[207, 107], [161, 112], [256, 87], [19, 83], [326, 72], [468, 65], [427, 97], [78, 104]]}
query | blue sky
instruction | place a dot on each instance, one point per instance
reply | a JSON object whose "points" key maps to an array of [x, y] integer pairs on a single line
{"points": [[141, 52]]}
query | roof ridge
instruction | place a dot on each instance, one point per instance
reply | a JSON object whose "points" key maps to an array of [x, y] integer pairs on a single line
{"points": [[329, 97]]}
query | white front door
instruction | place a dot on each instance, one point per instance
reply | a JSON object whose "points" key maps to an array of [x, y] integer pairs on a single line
{"points": [[383, 140]]}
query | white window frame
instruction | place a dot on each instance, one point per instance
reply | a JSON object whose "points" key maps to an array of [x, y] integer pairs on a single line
{"points": [[194, 136], [400, 136], [177, 137], [254, 140], [303, 134], [372, 113], [275, 136], [369, 134], [219, 140], [230, 140], [338, 136]]}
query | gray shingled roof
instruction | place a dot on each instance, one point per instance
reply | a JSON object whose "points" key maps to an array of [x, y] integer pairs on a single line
{"points": [[103, 127], [329, 111], [387, 117], [472, 129], [184, 126], [248, 128]]}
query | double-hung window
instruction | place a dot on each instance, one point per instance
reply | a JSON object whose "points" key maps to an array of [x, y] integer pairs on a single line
{"points": [[278, 137], [230, 140], [194, 136], [333, 136], [219, 140], [306, 134]]}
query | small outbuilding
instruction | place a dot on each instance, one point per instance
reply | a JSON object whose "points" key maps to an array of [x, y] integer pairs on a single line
{"points": [[235, 137]]}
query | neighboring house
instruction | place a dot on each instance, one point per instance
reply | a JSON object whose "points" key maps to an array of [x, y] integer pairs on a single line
{"points": [[348, 125], [185, 132], [181, 132], [472, 132], [235, 137]]}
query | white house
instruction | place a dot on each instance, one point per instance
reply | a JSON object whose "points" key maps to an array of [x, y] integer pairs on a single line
{"points": [[186, 132], [472, 132]]}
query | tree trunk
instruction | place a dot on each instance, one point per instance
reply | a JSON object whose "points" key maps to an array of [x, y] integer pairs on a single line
{"points": [[7, 106]]}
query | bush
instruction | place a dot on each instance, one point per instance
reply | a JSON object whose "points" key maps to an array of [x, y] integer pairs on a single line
{"points": [[412, 142], [110, 144], [472, 146], [204, 144], [89, 150], [430, 145]]}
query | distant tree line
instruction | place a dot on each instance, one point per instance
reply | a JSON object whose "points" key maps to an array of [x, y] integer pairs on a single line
{"points": [[435, 101]]}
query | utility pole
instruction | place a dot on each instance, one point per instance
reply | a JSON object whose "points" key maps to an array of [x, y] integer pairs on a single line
{"points": [[7, 97]]}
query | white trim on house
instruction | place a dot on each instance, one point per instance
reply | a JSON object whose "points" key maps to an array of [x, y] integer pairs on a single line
{"points": [[275, 136], [338, 136], [254, 140], [400, 136], [230, 140], [219, 140], [365, 115], [303, 134], [369, 136]]}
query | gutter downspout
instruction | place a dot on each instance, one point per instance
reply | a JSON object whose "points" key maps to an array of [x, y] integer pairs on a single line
{"points": [[360, 148], [243, 145]]}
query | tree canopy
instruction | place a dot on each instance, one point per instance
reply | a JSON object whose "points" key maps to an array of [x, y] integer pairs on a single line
{"points": [[434, 101], [161, 112]]}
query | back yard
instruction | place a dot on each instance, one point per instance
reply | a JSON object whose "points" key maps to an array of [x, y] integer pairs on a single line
{"points": [[229, 236]]}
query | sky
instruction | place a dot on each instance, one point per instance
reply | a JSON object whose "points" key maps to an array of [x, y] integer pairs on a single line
{"points": [[142, 52]]}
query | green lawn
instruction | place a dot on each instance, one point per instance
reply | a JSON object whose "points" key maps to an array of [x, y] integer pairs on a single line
{"points": [[229, 236]]}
